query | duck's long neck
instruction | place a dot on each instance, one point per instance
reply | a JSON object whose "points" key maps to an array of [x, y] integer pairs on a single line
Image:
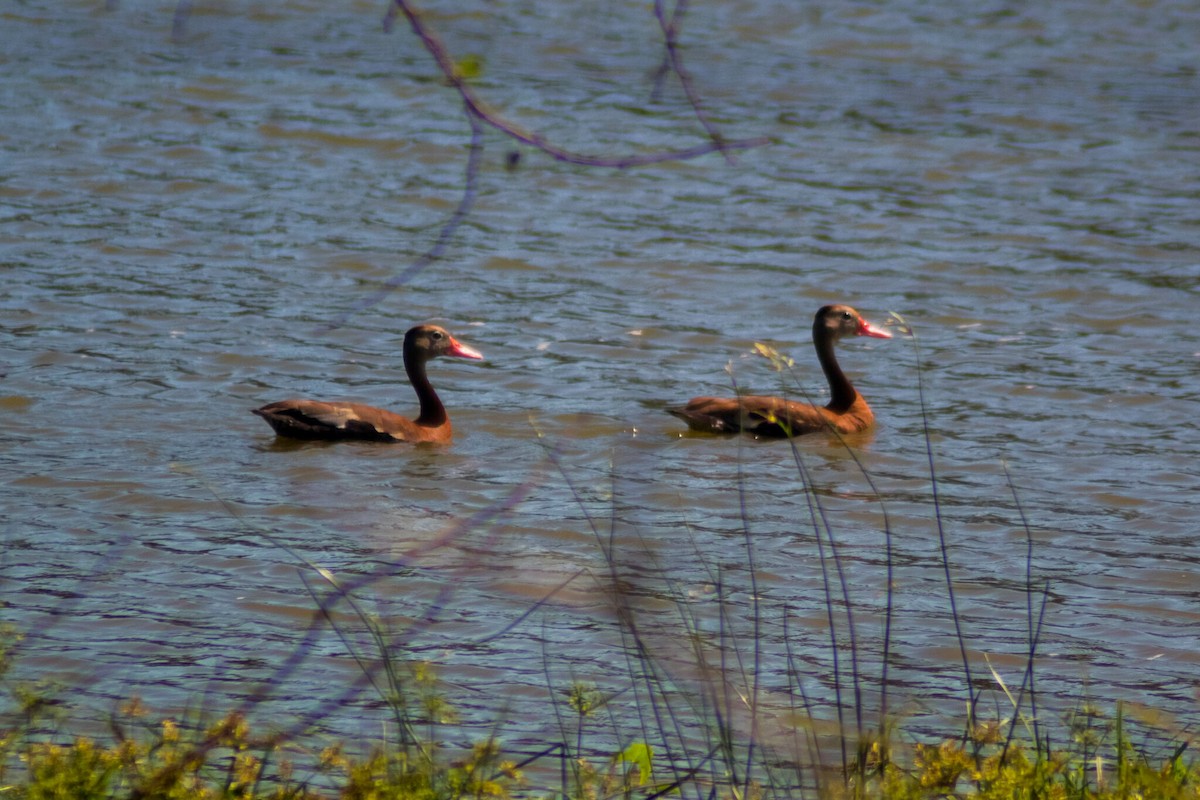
{"points": [[841, 393], [432, 410]]}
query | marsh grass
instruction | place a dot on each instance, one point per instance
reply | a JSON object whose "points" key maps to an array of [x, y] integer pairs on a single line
{"points": [[705, 712]]}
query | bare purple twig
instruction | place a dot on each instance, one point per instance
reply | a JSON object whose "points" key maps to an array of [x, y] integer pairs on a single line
{"points": [[479, 114], [673, 62], [443, 241], [476, 108]]}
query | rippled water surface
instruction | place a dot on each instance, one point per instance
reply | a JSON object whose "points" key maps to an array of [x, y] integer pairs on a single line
{"points": [[198, 213]]}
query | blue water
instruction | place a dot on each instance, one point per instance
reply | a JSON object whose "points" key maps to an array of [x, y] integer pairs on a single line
{"points": [[192, 225]]}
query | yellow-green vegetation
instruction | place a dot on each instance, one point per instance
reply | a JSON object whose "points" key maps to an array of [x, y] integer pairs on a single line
{"points": [[991, 768], [220, 763], [225, 760]]}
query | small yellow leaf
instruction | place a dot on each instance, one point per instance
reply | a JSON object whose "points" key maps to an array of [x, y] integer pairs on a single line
{"points": [[900, 324], [777, 359], [640, 755], [469, 67]]}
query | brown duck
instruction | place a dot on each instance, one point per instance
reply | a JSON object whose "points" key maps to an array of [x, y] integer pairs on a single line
{"points": [[316, 419], [846, 411]]}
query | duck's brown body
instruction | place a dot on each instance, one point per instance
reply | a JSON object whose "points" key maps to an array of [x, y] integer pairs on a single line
{"points": [[846, 412], [317, 419], [771, 416]]}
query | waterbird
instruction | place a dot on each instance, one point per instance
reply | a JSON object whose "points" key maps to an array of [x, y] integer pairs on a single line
{"points": [[846, 411], [317, 419]]}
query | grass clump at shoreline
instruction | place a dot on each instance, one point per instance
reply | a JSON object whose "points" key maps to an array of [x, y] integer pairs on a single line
{"points": [[226, 760]]}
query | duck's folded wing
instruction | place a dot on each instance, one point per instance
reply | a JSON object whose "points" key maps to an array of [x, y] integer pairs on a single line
{"points": [[320, 420]]}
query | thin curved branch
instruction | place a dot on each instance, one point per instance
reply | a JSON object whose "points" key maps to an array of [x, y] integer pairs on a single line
{"points": [[479, 114], [673, 62], [470, 190], [477, 108]]}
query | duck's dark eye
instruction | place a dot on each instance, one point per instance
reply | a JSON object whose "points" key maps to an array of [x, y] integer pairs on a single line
{"points": [[437, 334], [847, 315]]}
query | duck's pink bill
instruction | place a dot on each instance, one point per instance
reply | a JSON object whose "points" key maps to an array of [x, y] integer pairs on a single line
{"points": [[460, 350], [867, 329]]}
